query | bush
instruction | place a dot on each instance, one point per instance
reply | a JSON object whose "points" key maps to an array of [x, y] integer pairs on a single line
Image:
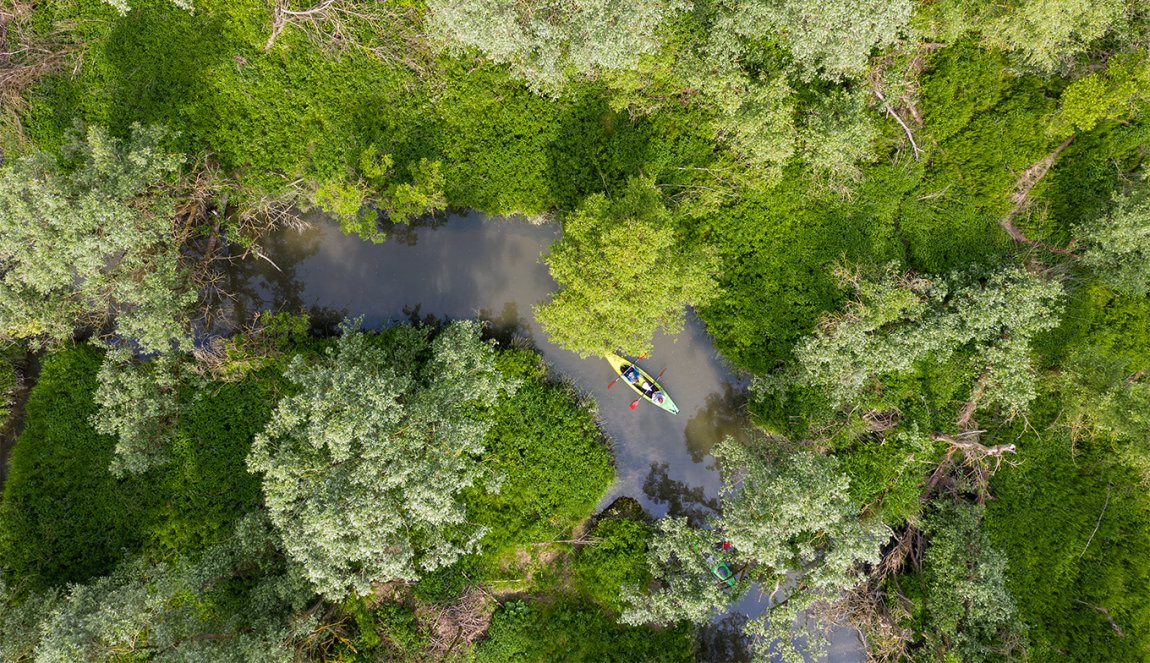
{"points": [[568, 630], [555, 462], [618, 559], [64, 518]]}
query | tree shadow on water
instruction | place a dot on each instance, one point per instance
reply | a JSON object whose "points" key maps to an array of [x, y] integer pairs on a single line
{"points": [[723, 641], [681, 499], [248, 281], [507, 327], [722, 415]]}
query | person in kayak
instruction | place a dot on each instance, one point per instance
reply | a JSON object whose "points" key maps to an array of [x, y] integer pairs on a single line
{"points": [[658, 397], [631, 374]]}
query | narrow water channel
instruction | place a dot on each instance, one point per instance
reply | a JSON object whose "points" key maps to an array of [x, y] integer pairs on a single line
{"points": [[468, 266]]}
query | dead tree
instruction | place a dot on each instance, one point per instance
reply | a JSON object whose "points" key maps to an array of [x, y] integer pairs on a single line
{"points": [[968, 461], [389, 33]]}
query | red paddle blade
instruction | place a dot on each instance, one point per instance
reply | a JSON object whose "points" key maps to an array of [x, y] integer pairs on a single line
{"points": [[612, 383], [634, 403]]}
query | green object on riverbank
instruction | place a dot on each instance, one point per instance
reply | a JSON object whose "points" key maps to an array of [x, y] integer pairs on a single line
{"points": [[657, 396]]}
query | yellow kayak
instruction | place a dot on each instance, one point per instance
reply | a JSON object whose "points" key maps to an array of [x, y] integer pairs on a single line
{"points": [[642, 383]]}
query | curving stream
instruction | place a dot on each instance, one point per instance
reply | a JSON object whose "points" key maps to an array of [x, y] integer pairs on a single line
{"points": [[468, 266]]}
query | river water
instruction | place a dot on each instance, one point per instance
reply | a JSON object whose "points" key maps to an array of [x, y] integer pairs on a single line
{"points": [[469, 266]]}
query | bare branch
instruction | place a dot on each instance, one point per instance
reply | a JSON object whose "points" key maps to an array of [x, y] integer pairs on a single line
{"points": [[1097, 524], [1021, 197], [905, 128]]}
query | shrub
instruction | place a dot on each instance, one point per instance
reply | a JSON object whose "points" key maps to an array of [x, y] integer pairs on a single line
{"points": [[617, 559], [569, 630]]}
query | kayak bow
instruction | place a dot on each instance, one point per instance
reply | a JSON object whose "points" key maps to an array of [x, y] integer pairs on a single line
{"points": [[620, 364]]}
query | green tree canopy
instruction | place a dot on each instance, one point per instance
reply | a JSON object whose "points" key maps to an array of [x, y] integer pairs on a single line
{"points": [[897, 320], [831, 38], [86, 235], [791, 523], [1044, 35], [972, 615], [139, 404], [623, 274], [546, 42], [372, 188], [186, 610], [761, 130], [362, 468], [1117, 246]]}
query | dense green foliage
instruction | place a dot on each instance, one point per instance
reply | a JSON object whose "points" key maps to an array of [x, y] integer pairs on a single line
{"points": [[65, 518], [1117, 246], [622, 275], [134, 543], [83, 234], [547, 42], [981, 167], [1075, 585], [968, 612], [616, 559], [362, 467], [553, 459], [566, 630], [234, 602], [897, 321]]}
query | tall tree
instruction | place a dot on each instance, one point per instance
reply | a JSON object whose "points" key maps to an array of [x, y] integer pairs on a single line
{"points": [[623, 273], [971, 614], [897, 320], [837, 134], [237, 601], [833, 39], [362, 468], [86, 236], [761, 129], [139, 404], [546, 41], [790, 523], [1044, 35], [1117, 246]]}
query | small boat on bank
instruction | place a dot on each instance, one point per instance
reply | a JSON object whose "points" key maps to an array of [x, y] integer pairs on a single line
{"points": [[642, 383]]}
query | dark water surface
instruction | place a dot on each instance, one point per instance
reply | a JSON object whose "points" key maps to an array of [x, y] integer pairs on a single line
{"points": [[468, 266]]}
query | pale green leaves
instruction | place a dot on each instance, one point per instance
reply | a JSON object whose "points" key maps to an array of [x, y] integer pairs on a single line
{"points": [[623, 274], [87, 237], [1044, 35], [972, 615], [363, 467], [899, 320], [690, 591], [139, 404], [1047, 34], [547, 42], [761, 130], [1117, 246], [789, 519], [837, 135], [831, 38], [169, 611]]}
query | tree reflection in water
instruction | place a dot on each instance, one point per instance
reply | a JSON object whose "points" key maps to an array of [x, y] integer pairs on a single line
{"points": [[681, 499]]}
